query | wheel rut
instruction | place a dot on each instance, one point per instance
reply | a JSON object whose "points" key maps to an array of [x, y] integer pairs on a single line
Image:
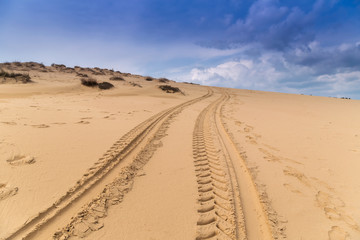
{"points": [[121, 149], [229, 206]]}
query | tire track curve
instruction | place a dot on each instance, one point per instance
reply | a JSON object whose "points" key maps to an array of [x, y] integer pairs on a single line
{"points": [[108, 162], [229, 204]]}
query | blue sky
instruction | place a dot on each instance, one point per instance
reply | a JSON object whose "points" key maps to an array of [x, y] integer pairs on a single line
{"points": [[308, 47]]}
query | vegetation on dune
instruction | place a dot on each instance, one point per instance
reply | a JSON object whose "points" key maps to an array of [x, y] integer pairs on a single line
{"points": [[149, 78], [117, 78], [58, 65], [92, 82], [82, 75], [24, 78], [105, 85], [170, 89], [89, 82], [163, 80], [135, 84]]}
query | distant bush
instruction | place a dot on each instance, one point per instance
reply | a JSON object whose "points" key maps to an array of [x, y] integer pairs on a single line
{"points": [[33, 65], [191, 83], [25, 78], [164, 80], [58, 65], [105, 85], [89, 82], [82, 75], [135, 84], [117, 78], [149, 78], [170, 89], [98, 73]]}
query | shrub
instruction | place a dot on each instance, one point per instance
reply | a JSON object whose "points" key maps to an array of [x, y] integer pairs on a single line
{"points": [[82, 75], [135, 85], [89, 82], [169, 89], [105, 85], [58, 65], [117, 78], [149, 78], [164, 80], [25, 78], [98, 73]]}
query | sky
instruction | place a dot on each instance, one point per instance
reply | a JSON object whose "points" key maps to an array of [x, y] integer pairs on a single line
{"points": [[303, 47]]}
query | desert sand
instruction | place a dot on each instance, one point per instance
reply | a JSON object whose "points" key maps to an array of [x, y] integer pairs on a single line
{"points": [[137, 162]]}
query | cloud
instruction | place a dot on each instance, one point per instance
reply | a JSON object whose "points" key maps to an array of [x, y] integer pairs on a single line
{"points": [[244, 73], [271, 25], [338, 83], [327, 60], [274, 72], [305, 48]]}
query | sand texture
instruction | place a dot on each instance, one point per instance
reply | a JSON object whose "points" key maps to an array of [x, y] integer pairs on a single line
{"points": [[183, 162]]}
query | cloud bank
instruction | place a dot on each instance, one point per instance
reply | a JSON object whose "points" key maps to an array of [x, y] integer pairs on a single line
{"points": [[285, 48]]}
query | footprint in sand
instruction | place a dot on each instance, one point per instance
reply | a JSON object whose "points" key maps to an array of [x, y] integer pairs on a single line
{"points": [[10, 123], [248, 128], [333, 209], [110, 117], [6, 191], [268, 156], [336, 233], [40, 126], [83, 122], [12, 155], [289, 171], [292, 188], [59, 123], [18, 160]]}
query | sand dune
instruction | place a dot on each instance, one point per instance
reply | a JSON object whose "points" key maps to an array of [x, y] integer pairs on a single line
{"points": [[136, 162]]}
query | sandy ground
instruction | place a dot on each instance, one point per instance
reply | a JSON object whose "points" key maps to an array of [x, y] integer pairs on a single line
{"points": [[139, 163]]}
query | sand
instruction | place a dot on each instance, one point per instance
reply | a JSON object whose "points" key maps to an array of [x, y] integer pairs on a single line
{"points": [[136, 162]]}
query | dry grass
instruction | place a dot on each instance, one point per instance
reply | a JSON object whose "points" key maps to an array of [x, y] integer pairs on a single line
{"points": [[164, 80], [89, 82], [117, 78], [19, 77], [170, 89], [105, 85]]}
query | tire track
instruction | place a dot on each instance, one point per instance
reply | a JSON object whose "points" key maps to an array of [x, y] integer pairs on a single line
{"points": [[220, 214], [261, 220], [119, 151], [229, 204]]}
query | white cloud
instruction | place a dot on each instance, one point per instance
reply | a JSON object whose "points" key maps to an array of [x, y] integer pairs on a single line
{"points": [[243, 73], [340, 82]]}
